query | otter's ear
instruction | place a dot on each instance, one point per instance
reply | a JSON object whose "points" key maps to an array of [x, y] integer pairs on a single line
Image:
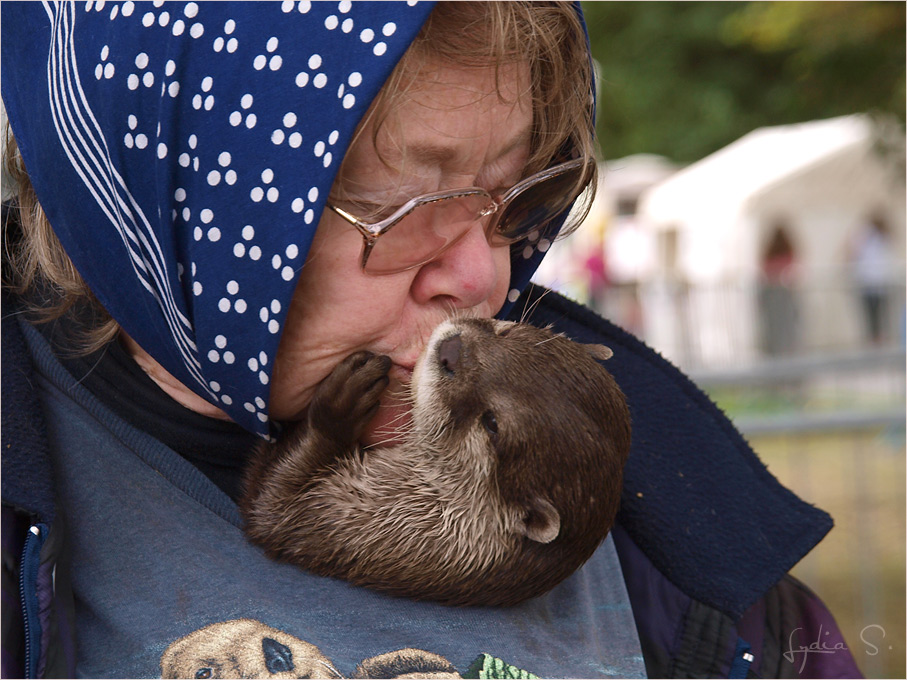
{"points": [[599, 351], [541, 521]]}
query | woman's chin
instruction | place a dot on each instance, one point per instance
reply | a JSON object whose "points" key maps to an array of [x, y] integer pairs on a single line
{"points": [[389, 424]]}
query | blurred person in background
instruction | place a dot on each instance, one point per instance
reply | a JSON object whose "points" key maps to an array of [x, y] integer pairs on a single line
{"points": [[777, 295], [874, 271]]}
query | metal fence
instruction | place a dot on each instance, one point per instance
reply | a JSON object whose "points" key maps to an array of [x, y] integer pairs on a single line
{"points": [[851, 390], [831, 427]]}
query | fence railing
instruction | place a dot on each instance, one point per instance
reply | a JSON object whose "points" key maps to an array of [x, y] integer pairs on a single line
{"points": [[857, 389]]}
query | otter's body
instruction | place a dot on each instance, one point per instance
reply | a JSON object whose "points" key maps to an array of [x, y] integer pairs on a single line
{"points": [[507, 482]]}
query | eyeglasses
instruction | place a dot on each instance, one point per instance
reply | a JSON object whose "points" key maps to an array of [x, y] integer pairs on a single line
{"points": [[424, 227]]}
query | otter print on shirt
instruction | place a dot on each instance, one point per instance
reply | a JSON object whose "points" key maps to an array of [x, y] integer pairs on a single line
{"points": [[250, 649]]}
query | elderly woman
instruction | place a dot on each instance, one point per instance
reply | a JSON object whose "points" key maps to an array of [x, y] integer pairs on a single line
{"points": [[216, 204]]}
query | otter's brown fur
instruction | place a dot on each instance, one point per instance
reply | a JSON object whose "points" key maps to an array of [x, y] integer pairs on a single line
{"points": [[507, 482]]}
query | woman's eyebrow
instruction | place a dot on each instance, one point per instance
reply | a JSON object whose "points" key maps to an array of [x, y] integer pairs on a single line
{"points": [[430, 152]]}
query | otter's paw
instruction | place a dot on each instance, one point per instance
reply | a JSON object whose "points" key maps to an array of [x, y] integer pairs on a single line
{"points": [[347, 399]]}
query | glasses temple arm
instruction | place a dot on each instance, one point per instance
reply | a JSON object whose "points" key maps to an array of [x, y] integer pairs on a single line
{"points": [[363, 227]]}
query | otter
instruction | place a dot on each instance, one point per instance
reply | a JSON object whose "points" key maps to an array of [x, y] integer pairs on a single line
{"points": [[508, 478]]}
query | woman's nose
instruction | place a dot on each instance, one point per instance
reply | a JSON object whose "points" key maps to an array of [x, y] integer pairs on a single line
{"points": [[466, 274]]}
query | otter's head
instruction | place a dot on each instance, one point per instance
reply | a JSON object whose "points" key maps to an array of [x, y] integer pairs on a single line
{"points": [[548, 429], [243, 648]]}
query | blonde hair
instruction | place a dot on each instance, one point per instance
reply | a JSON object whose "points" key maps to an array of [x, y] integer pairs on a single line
{"points": [[546, 35], [36, 266]]}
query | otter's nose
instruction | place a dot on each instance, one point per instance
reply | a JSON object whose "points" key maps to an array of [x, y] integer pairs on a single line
{"points": [[449, 353]]}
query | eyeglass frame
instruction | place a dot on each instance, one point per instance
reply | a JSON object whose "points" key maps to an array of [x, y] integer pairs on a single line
{"points": [[371, 231]]}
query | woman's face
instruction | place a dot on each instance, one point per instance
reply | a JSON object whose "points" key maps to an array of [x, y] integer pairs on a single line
{"points": [[457, 127]]}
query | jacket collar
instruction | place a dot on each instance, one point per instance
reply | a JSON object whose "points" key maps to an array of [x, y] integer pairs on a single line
{"points": [[27, 480], [696, 498]]}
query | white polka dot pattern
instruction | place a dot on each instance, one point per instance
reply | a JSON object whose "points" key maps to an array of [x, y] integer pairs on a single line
{"points": [[200, 141]]}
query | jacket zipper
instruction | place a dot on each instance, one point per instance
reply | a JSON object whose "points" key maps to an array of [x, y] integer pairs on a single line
{"points": [[743, 658], [28, 576]]}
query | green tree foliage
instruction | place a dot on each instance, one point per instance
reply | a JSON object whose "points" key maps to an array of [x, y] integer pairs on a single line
{"points": [[684, 79]]}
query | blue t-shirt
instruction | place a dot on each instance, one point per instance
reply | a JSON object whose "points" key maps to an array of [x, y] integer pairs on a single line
{"points": [[165, 582]]}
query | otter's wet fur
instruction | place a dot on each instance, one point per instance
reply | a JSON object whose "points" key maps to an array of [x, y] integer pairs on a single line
{"points": [[506, 483]]}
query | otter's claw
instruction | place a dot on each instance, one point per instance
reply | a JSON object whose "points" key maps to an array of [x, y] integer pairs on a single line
{"points": [[347, 399]]}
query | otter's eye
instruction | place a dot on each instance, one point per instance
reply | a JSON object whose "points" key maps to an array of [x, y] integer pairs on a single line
{"points": [[204, 673], [490, 423]]}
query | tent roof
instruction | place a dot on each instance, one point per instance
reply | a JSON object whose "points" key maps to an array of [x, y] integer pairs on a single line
{"points": [[633, 174], [722, 181]]}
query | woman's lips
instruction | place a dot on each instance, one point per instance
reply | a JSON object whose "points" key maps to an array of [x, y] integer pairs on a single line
{"points": [[402, 373]]}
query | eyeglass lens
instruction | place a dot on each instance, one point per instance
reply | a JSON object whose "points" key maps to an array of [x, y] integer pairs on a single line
{"points": [[427, 231], [535, 207], [433, 227]]}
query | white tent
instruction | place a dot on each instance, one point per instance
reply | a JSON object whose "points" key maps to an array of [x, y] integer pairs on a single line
{"points": [[713, 219]]}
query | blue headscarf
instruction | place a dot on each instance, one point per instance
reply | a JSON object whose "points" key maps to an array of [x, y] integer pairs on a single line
{"points": [[183, 153]]}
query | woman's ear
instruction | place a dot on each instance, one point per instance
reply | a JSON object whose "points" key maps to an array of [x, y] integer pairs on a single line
{"points": [[541, 521]]}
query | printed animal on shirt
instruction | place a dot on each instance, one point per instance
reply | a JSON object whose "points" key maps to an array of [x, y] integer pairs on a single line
{"points": [[246, 648], [243, 648]]}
